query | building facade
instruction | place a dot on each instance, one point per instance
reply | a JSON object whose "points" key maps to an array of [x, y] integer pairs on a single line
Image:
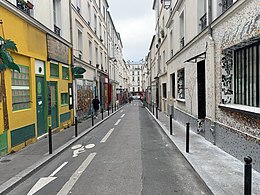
{"points": [[212, 63], [40, 95], [136, 72]]}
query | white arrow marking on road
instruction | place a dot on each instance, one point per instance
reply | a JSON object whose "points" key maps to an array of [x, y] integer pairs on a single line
{"points": [[40, 184], [58, 169], [45, 180], [122, 115], [74, 178], [106, 136], [118, 121]]}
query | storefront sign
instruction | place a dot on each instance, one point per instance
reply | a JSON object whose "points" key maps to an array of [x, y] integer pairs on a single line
{"points": [[57, 50]]}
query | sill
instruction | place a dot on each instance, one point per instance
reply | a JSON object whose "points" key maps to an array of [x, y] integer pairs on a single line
{"points": [[181, 100], [63, 105], [255, 111]]}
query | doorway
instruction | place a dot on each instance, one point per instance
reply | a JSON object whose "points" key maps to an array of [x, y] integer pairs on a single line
{"points": [[201, 90], [40, 106]]}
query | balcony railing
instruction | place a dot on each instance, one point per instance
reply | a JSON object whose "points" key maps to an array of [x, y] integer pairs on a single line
{"points": [[203, 22], [182, 42], [226, 4], [56, 30], [22, 5]]}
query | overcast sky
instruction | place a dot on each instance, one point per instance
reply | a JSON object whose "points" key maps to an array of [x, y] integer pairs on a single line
{"points": [[134, 20]]}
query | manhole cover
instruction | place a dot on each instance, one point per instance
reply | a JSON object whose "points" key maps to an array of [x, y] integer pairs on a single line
{"points": [[5, 160]]}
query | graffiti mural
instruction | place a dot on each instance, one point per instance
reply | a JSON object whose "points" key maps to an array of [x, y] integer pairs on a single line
{"points": [[84, 98], [226, 64]]}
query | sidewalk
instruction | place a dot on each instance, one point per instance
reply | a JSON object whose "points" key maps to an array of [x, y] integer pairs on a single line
{"points": [[222, 173], [16, 167]]}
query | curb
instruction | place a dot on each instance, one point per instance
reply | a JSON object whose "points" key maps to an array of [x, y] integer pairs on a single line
{"points": [[23, 175]]}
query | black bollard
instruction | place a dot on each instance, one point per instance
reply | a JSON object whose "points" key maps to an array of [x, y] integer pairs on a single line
{"points": [[102, 113], [92, 119], [76, 126], [187, 137], [108, 110], [156, 112], [170, 124], [112, 108], [248, 175], [50, 140], [153, 109], [115, 107]]}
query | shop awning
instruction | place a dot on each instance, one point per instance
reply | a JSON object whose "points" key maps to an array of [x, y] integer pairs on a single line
{"points": [[195, 59]]}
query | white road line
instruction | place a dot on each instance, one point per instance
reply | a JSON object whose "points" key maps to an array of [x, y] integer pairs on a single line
{"points": [[76, 175], [122, 115], [58, 169], [117, 122], [106, 136]]}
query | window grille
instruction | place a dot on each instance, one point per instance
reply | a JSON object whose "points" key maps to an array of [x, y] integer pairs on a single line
{"points": [[21, 89]]}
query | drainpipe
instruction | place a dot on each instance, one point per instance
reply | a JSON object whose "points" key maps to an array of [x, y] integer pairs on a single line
{"points": [[74, 85], [212, 72]]}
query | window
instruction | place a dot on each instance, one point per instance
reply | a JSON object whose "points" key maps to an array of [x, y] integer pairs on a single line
{"points": [[64, 99], [90, 51], [78, 4], [182, 30], [54, 70], [247, 76], [95, 23], [57, 16], [173, 84], [21, 89], [138, 73], [96, 51], [133, 73], [65, 73], [89, 14], [138, 78], [80, 43], [133, 78], [164, 90], [138, 88], [181, 84], [133, 88]]}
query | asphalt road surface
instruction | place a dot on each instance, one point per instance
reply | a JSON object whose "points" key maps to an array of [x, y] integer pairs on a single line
{"points": [[128, 155]]}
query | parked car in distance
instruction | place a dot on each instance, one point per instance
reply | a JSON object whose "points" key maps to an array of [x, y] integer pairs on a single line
{"points": [[136, 97]]}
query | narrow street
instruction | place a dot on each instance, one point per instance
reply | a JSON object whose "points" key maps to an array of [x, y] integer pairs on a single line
{"points": [[127, 154]]}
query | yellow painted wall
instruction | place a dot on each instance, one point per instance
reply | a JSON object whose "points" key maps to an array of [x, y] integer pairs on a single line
{"points": [[31, 44]]}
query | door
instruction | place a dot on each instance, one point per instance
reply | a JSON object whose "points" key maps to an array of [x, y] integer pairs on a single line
{"points": [[53, 104], [40, 107], [201, 90]]}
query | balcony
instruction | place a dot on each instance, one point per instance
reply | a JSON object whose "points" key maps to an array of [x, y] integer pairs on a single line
{"points": [[24, 6], [203, 22], [182, 42], [56, 30], [226, 4]]}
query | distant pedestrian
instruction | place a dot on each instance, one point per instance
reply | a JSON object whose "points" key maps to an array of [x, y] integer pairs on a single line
{"points": [[95, 103]]}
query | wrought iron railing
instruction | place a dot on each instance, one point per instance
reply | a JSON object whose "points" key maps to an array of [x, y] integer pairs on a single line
{"points": [[182, 42], [203, 21], [226, 4], [56, 30], [22, 5]]}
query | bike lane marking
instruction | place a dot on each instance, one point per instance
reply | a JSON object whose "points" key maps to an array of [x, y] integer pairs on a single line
{"points": [[107, 135], [117, 122], [45, 180], [76, 175]]}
